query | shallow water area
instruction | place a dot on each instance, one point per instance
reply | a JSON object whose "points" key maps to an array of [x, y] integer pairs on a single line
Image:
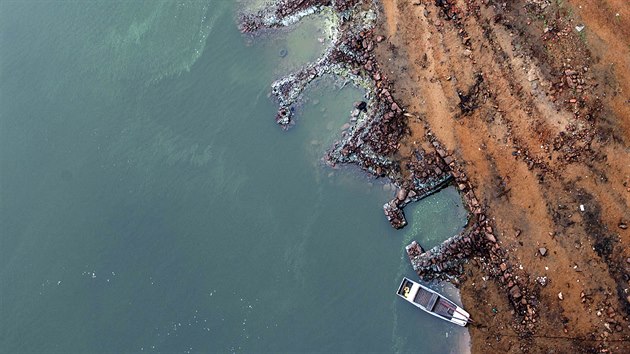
{"points": [[149, 202], [436, 218]]}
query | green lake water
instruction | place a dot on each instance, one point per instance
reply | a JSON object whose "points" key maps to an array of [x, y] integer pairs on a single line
{"points": [[149, 202]]}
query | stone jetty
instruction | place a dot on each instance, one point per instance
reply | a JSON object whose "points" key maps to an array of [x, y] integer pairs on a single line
{"points": [[378, 123]]}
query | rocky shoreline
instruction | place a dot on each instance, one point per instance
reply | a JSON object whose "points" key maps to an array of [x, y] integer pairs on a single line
{"points": [[540, 136]]}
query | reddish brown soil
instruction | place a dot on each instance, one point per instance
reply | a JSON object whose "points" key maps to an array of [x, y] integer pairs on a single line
{"points": [[544, 132]]}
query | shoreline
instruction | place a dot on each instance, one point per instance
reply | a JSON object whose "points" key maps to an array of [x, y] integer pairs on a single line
{"points": [[514, 106]]}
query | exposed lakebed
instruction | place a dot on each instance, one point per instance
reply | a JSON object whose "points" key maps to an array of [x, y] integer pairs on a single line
{"points": [[166, 211]]}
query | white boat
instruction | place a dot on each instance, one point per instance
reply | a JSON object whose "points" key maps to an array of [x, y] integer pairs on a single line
{"points": [[432, 302]]}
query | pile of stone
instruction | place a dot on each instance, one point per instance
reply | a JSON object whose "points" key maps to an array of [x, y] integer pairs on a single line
{"points": [[574, 145]]}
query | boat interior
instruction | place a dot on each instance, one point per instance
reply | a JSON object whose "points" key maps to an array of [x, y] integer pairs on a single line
{"points": [[429, 300]]}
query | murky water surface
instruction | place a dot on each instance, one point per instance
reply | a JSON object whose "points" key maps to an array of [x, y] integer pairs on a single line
{"points": [[148, 201]]}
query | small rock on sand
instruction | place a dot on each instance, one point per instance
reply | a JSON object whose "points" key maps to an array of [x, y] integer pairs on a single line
{"points": [[402, 194], [515, 292]]}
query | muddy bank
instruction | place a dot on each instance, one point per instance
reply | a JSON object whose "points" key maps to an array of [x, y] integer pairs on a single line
{"points": [[523, 106], [526, 98]]}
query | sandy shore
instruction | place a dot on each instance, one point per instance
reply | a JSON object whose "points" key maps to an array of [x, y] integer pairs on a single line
{"points": [[532, 99]]}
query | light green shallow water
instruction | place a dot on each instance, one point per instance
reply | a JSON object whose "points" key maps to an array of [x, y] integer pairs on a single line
{"points": [[148, 201]]}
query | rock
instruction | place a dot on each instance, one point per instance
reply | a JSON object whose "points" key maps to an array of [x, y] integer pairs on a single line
{"points": [[542, 251], [622, 225], [402, 194], [503, 267], [610, 311], [560, 296], [515, 292], [491, 238], [379, 39]]}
